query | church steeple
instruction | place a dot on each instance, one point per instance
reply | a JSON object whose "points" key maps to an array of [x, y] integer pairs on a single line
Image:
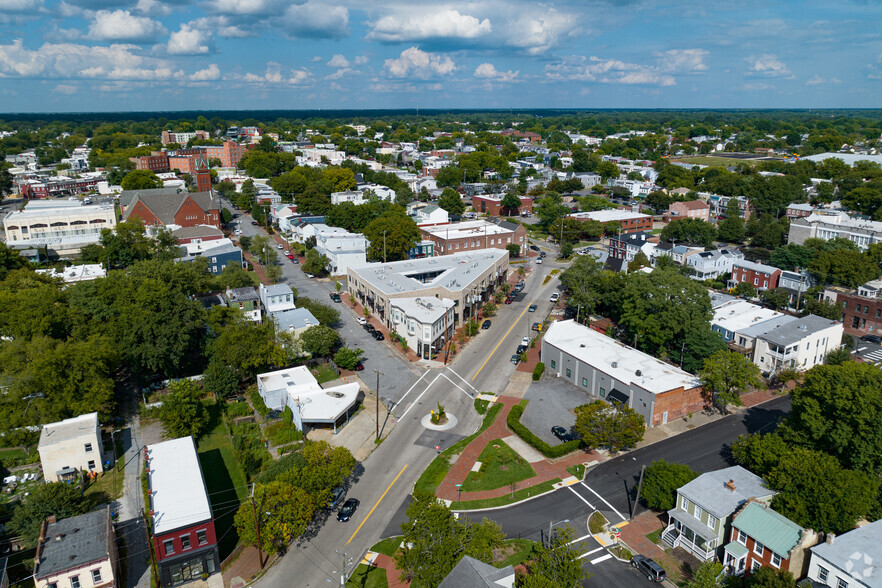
{"points": [[202, 173]]}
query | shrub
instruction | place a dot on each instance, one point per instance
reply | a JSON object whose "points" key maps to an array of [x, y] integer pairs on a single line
{"points": [[538, 371], [481, 405], [282, 433], [596, 522], [238, 409], [514, 423], [257, 402]]}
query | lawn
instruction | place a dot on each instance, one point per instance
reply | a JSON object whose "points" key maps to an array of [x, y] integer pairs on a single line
{"points": [[387, 546], [224, 479], [577, 470], [366, 576], [500, 466], [715, 161], [109, 485], [655, 536], [508, 498], [324, 373], [516, 551]]}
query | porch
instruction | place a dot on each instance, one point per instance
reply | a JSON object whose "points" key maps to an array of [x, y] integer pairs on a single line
{"points": [[687, 532]]}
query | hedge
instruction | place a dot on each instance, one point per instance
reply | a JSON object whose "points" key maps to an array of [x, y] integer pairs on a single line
{"points": [[538, 371], [514, 423]]}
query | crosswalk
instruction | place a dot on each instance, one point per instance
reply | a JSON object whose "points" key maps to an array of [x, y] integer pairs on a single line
{"points": [[874, 356]]}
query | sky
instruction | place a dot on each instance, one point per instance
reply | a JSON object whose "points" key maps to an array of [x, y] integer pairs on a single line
{"points": [[156, 55]]}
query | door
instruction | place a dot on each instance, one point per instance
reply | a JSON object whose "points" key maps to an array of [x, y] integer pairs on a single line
{"points": [[665, 418]]}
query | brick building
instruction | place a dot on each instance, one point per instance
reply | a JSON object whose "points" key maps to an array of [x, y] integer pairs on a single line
{"points": [[32, 188], [697, 209], [156, 162], [861, 309], [760, 276], [631, 222], [229, 153], [187, 209], [473, 235], [492, 205], [182, 138]]}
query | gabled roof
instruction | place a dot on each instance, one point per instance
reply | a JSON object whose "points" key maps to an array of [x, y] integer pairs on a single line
{"points": [[866, 543], [770, 528], [476, 574], [709, 491], [165, 206], [73, 543], [127, 196]]}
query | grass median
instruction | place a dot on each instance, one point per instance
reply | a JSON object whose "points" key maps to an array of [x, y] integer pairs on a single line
{"points": [[507, 499]]}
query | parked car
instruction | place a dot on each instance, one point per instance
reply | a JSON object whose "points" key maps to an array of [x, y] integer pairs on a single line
{"points": [[295, 260], [361, 320], [652, 571], [291, 256], [308, 275], [254, 223], [336, 497], [537, 327], [509, 299], [561, 433], [359, 367], [532, 308], [347, 510], [369, 327], [539, 260], [287, 252], [280, 246], [534, 247], [486, 325], [525, 341], [378, 335], [521, 349], [335, 297], [872, 339], [542, 254], [515, 359], [555, 296]]}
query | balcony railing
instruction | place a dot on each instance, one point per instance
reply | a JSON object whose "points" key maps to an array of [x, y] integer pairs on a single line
{"points": [[675, 538]]}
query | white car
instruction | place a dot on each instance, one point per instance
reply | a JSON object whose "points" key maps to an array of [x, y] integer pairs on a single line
{"points": [[287, 252], [525, 341], [280, 246], [310, 276], [539, 260], [361, 320], [555, 297]]}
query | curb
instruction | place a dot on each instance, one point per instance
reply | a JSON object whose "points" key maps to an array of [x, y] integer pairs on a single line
{"points": [[489, 508]]}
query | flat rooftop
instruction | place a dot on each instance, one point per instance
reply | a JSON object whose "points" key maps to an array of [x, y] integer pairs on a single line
{"points": [[605, 216], [617, 359], [315, 405], [179, 498], [72, 428], [740, 314], [453, 272], [425, 309], [475, 228]]}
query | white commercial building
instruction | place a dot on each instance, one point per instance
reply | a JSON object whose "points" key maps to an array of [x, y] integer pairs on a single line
{"points": [[425, 323], [62, 226], [342, 248], [835, 225], [76, 273], [311, 405], [70, 446]]}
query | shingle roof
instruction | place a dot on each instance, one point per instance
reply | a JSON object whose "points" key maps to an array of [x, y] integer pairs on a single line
{"points": [[127, 196], [164, 206], [709, 492], [770, 528], [73, 543], [475, 574]]}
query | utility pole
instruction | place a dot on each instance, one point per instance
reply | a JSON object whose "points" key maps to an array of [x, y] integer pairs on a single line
{"points": [[384, 246], [257, 529], [639, 488], [378, 372]]}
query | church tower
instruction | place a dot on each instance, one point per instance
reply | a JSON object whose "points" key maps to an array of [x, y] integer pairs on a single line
{"points": [[203, 176]]}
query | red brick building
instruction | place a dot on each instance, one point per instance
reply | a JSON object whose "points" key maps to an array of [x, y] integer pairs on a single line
{"points": [[156, 162], [693, 209], [861, 310], [492, 205], [761, 537], [56, 186], [187, 209], [229, 153], [533, 137], [474, 235], [630, 222], [760, 276]]}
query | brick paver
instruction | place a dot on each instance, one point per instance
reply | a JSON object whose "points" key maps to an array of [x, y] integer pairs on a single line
{"points": [[545, 470], [634, 536], [392, 574]]}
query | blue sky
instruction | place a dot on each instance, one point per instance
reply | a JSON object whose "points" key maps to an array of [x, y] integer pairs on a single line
{"points": [[119, 55]]}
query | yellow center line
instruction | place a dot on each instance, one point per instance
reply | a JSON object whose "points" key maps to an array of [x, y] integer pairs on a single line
{"points": [[382, 496], [517, 320]]}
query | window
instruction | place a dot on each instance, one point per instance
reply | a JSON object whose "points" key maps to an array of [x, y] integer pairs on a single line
{"points": [[569, 373], [168, 546], [698, 512], [776, 560], [756, 281], [759, 548], [201, 537], [96, 576], [742, 537], [685, 504], [553, 364], [822, 573], [185, 542], [755, 566], [74, 582], [585, 382], [712, 521], [88, 448], [52, 585], [840, 583], [91, 464]]}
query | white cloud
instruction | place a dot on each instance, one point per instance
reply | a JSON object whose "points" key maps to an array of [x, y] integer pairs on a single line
{"points": [[65, 89], [680, 60], [816, 80], [210, 73], [344, 71], [315, 20], [338, 61], [274, 75], [189, 41], [316, 59], [608, 71], [20, 6], [420, 64], [247, 7], [420, 24], [153, 8], [488, 71], [225, 26], [770, 66], [536, 33], [121, 25]]}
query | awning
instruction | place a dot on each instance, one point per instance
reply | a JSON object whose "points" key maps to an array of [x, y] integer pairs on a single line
{"points": [[735, 549], [618, 396], [696, 525]]}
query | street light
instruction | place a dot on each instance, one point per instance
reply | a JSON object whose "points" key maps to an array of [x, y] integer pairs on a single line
{"points": [[551, 525]]}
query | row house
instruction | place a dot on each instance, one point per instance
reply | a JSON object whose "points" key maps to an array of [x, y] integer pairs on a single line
{"points": [[861, 308], [492, 204], [33, 189], [719, 205], [696, 209], [710, 265], [759, 275], [762, 537], [425, 323], [79, 552], [849, 560], [629, 222], [626, 247]]}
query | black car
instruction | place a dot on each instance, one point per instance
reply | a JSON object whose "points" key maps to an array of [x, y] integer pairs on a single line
{"points": [[872, 339], [486, 325], [562, 433], [369, 328], [515, 359], [534, 247], [652, 571], [521, 349], [348, 509], [378, 335], [335, 297]]}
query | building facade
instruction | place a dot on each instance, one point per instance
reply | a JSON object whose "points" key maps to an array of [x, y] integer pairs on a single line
{"points": [[156, 162], [761, 537], [835, 225], [492, 204], [187, 209], [758, 275], [849, 560], [63, 226], [229, 153], [697, 209], [475, 235], [427, 324], [630, 222], [71, 446]]}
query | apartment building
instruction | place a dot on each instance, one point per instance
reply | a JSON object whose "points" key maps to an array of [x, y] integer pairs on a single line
{"points": [[630, 222], [828, 225], [61, 226], [759, 275], [474, 235]]}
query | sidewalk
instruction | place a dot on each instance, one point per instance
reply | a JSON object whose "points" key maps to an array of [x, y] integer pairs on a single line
{"points": [[634, 536], [392, 574], [545, 469]]}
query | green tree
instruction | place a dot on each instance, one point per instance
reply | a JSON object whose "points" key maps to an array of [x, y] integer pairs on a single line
{"points": [[324, 313], [725, 376], [10, 259], [451, 201], [760, 453], [593, 202], [234, 276], [220, 379], [838, 356], [842, 267], [314, 262], [347, 358], [690, 230], [284, 511], [434, 541], [510, 203], [838, 410], [56, 499], [660, 483], [792, 256], [706, 575], [182, 413], [247, 347], [323, 468], [745, 289], [319, 340], [607, 170], [391, 235], [640, 260], [126, 245], [489, 309], [603, 425], [514, 250], [556, 564], [140, 179], [763, 577], [550, 208], [775, 298], [731, 229]]}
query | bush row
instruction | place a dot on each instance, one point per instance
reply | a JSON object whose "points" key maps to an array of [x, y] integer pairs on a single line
{"points": [[538, 371], [514, 423]]}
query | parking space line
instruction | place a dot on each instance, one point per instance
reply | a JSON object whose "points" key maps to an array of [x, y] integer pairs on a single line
{"points": [[414, 403], [604, 501], [382, 496], [582, 498], [513, 325], [594, 562]]}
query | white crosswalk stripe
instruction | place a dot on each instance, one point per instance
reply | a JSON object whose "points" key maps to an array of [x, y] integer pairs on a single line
{"points": [[874, 356]]}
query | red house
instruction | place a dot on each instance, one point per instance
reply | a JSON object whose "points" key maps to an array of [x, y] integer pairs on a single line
{"points": [[761, 537], [760, 276], [181, 521], [187, 209]]}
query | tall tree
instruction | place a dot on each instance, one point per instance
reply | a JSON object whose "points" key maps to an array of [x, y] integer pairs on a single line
{"points": [[556, 564], [451, 201], [319, 340], [661, 481], [725, 376], [56, 499], [140, 179], [391, 235], [182, 413], [602, 425], [283, 511]]}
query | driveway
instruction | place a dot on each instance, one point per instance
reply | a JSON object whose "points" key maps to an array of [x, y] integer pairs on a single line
{"points": [[551, 403]]}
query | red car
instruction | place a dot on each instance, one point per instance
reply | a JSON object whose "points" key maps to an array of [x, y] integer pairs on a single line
{"points": [[509, 300], [359, 367], [290, 256]]}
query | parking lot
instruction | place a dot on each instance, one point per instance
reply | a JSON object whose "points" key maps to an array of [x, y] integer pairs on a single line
{"points": [[551, 403]]}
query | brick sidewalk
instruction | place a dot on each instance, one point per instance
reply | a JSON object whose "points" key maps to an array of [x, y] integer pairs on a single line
{"points": [[545, 470], [392, 573], [634, 535]]}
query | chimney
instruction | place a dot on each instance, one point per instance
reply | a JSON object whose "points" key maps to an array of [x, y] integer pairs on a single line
{"points": [[730, 485], [831, 537], [51, 519]]}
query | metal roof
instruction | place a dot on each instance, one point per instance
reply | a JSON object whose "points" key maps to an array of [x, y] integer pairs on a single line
{"points": [[770, 528]]}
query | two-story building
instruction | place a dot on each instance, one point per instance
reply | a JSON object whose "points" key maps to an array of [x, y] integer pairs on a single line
{"points": [[612, 371], [630, 222], [342, 248], [758, 275], [219, 254], [492, 204], [700, 521], [61, 226], [186, 209], [761, 537], [425, 323], [627, 246], [850, 560], [78, 552], [71, 446], [475, 234], [697, 209], [181, 522], [861, 308], [276, 297], [710, 265], [247, 300]]}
